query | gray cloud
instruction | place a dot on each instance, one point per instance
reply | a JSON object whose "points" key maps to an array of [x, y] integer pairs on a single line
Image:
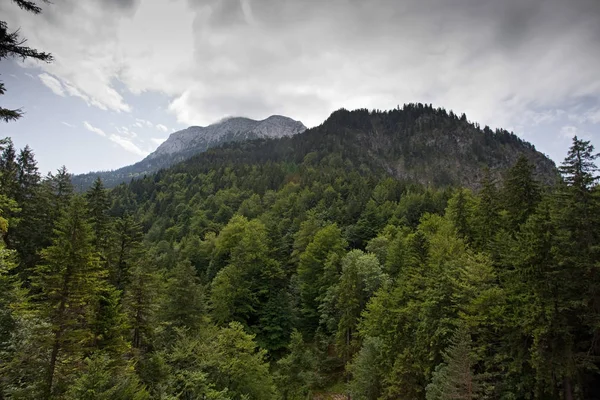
{"points": [[502, 62]]}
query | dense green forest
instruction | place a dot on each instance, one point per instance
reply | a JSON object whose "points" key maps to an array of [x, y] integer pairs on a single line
{"points": [[246, 274]]}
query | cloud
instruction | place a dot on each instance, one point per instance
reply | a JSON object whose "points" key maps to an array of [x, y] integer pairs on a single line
{"points": [[569, 131], [68, 124], [123, 130], [91, 128], [73, 27], [161, 127], [504, 63], [142, 122], [128, 145], [158, 141], [591, 116], [123, 139], [52, 83]]}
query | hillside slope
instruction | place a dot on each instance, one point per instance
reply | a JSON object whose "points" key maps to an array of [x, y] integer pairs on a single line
{"points": [[184, 144], [417, 143]]}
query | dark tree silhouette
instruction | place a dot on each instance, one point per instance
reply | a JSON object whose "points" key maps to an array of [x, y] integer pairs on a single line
{"points": [[13, 45]]}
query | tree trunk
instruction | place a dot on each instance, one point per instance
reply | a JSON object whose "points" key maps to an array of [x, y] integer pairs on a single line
{"points": [[568, 390]]}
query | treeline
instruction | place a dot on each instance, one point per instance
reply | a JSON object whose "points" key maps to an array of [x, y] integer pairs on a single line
{"points": [[416, 143], [289, 279]]}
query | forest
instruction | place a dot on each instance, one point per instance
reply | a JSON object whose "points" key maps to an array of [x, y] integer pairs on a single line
{"points": [[299, 280]]}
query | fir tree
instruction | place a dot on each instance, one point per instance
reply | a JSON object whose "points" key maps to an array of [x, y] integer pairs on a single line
{"points": [[184, 304], [521, 193], [98, 204], [68, 283], [455, 378]]}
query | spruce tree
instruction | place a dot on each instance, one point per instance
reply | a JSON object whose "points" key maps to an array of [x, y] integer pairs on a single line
{"points": [[521, 193], [66, 287], [126, 250], [455, 378], [487, 212], [28, 175], [98, 204], [184, 303]]}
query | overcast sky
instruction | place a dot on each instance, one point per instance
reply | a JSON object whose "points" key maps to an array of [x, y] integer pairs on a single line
{"points": [[127, 73]]}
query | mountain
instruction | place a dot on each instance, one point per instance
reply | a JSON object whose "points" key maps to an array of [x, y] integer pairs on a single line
{"points": [[184, 144], [416, 143]]}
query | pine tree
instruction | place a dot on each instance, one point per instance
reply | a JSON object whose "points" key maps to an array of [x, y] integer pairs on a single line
{"points": [[110, 326], [62, 187], [12, 45], [460, 211], [10, 171], [455, 378], [28, 175], [141, 303], [98, 204], [577, 211], [184, 303], [68, 283], [521, 193], [99, 380], [579, 166], [11, 296], [487, 212], [126, 250], [579, 202]]}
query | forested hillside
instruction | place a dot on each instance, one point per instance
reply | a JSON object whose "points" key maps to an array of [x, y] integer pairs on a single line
{"points": [[186, 143], [417, 142], [382, 255]]}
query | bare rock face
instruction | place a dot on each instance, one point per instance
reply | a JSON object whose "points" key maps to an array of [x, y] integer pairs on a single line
{"points": [[188, 142], [199, 139]]}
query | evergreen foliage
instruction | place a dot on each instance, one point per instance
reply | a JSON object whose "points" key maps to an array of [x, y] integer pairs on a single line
{"points": [[225, 278]]}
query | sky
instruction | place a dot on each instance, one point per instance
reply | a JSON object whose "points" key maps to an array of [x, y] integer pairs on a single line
{"points": [[127, 73]]}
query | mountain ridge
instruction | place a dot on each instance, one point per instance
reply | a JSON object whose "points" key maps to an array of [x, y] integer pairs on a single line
{"points": [[419, 143], [187, 142]]}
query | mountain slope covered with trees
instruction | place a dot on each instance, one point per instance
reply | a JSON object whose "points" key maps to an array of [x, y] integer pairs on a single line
{"points": [[334, 261], [186, 143]]}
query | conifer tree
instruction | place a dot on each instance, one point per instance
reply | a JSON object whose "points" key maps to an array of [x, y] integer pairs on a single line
{"points": [[141, 303], [10, 170], [10, 297], [110, 326], [28, 175], [98, 204], [455, 379], [184, 303], [521, 193], [62, 187], [126, 252], [460, 211], [12, 45], [99, 380], [68, 283], [487, 212]]}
